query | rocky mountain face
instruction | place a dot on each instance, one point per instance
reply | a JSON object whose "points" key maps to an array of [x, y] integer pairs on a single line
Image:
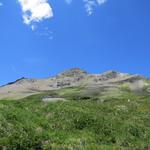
{"points": [[74, 78]]}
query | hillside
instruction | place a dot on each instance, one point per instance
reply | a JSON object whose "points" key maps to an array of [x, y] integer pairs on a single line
{"points": [[108, 81], [76, 111]]}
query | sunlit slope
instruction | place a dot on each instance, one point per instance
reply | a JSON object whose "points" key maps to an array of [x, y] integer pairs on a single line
{"points": [[110, 81], [85, 120]]}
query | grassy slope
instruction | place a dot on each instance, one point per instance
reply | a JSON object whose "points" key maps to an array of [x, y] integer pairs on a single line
{"points": [[81, 123]]}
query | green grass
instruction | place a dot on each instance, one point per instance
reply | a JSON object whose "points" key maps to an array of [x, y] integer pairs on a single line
{"points": [[81, 123]]}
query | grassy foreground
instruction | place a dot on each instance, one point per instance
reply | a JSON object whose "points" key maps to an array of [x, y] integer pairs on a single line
{"points": [[81, 123]]}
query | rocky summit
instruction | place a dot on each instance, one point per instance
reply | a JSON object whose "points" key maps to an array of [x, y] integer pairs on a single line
{"points": [[102, 82]]}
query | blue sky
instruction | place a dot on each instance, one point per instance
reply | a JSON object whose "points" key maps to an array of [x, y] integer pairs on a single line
{"points": [[116, 36]]}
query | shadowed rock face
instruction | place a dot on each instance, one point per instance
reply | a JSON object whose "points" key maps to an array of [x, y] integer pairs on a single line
{"points": [[70, 78]]}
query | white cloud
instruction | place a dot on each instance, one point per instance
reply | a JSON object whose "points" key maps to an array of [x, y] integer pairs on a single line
{"points": [[100, 2], [90, 4], [1, 4], [35, 10]]}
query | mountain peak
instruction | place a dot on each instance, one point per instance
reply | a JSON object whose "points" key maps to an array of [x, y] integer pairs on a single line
{"points": [[73, 77], [73, 72]]}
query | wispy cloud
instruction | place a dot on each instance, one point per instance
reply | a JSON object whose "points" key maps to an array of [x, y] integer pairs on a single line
{"points": [[90, 4], [35, 10], [44, 32], [100, 2]]}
